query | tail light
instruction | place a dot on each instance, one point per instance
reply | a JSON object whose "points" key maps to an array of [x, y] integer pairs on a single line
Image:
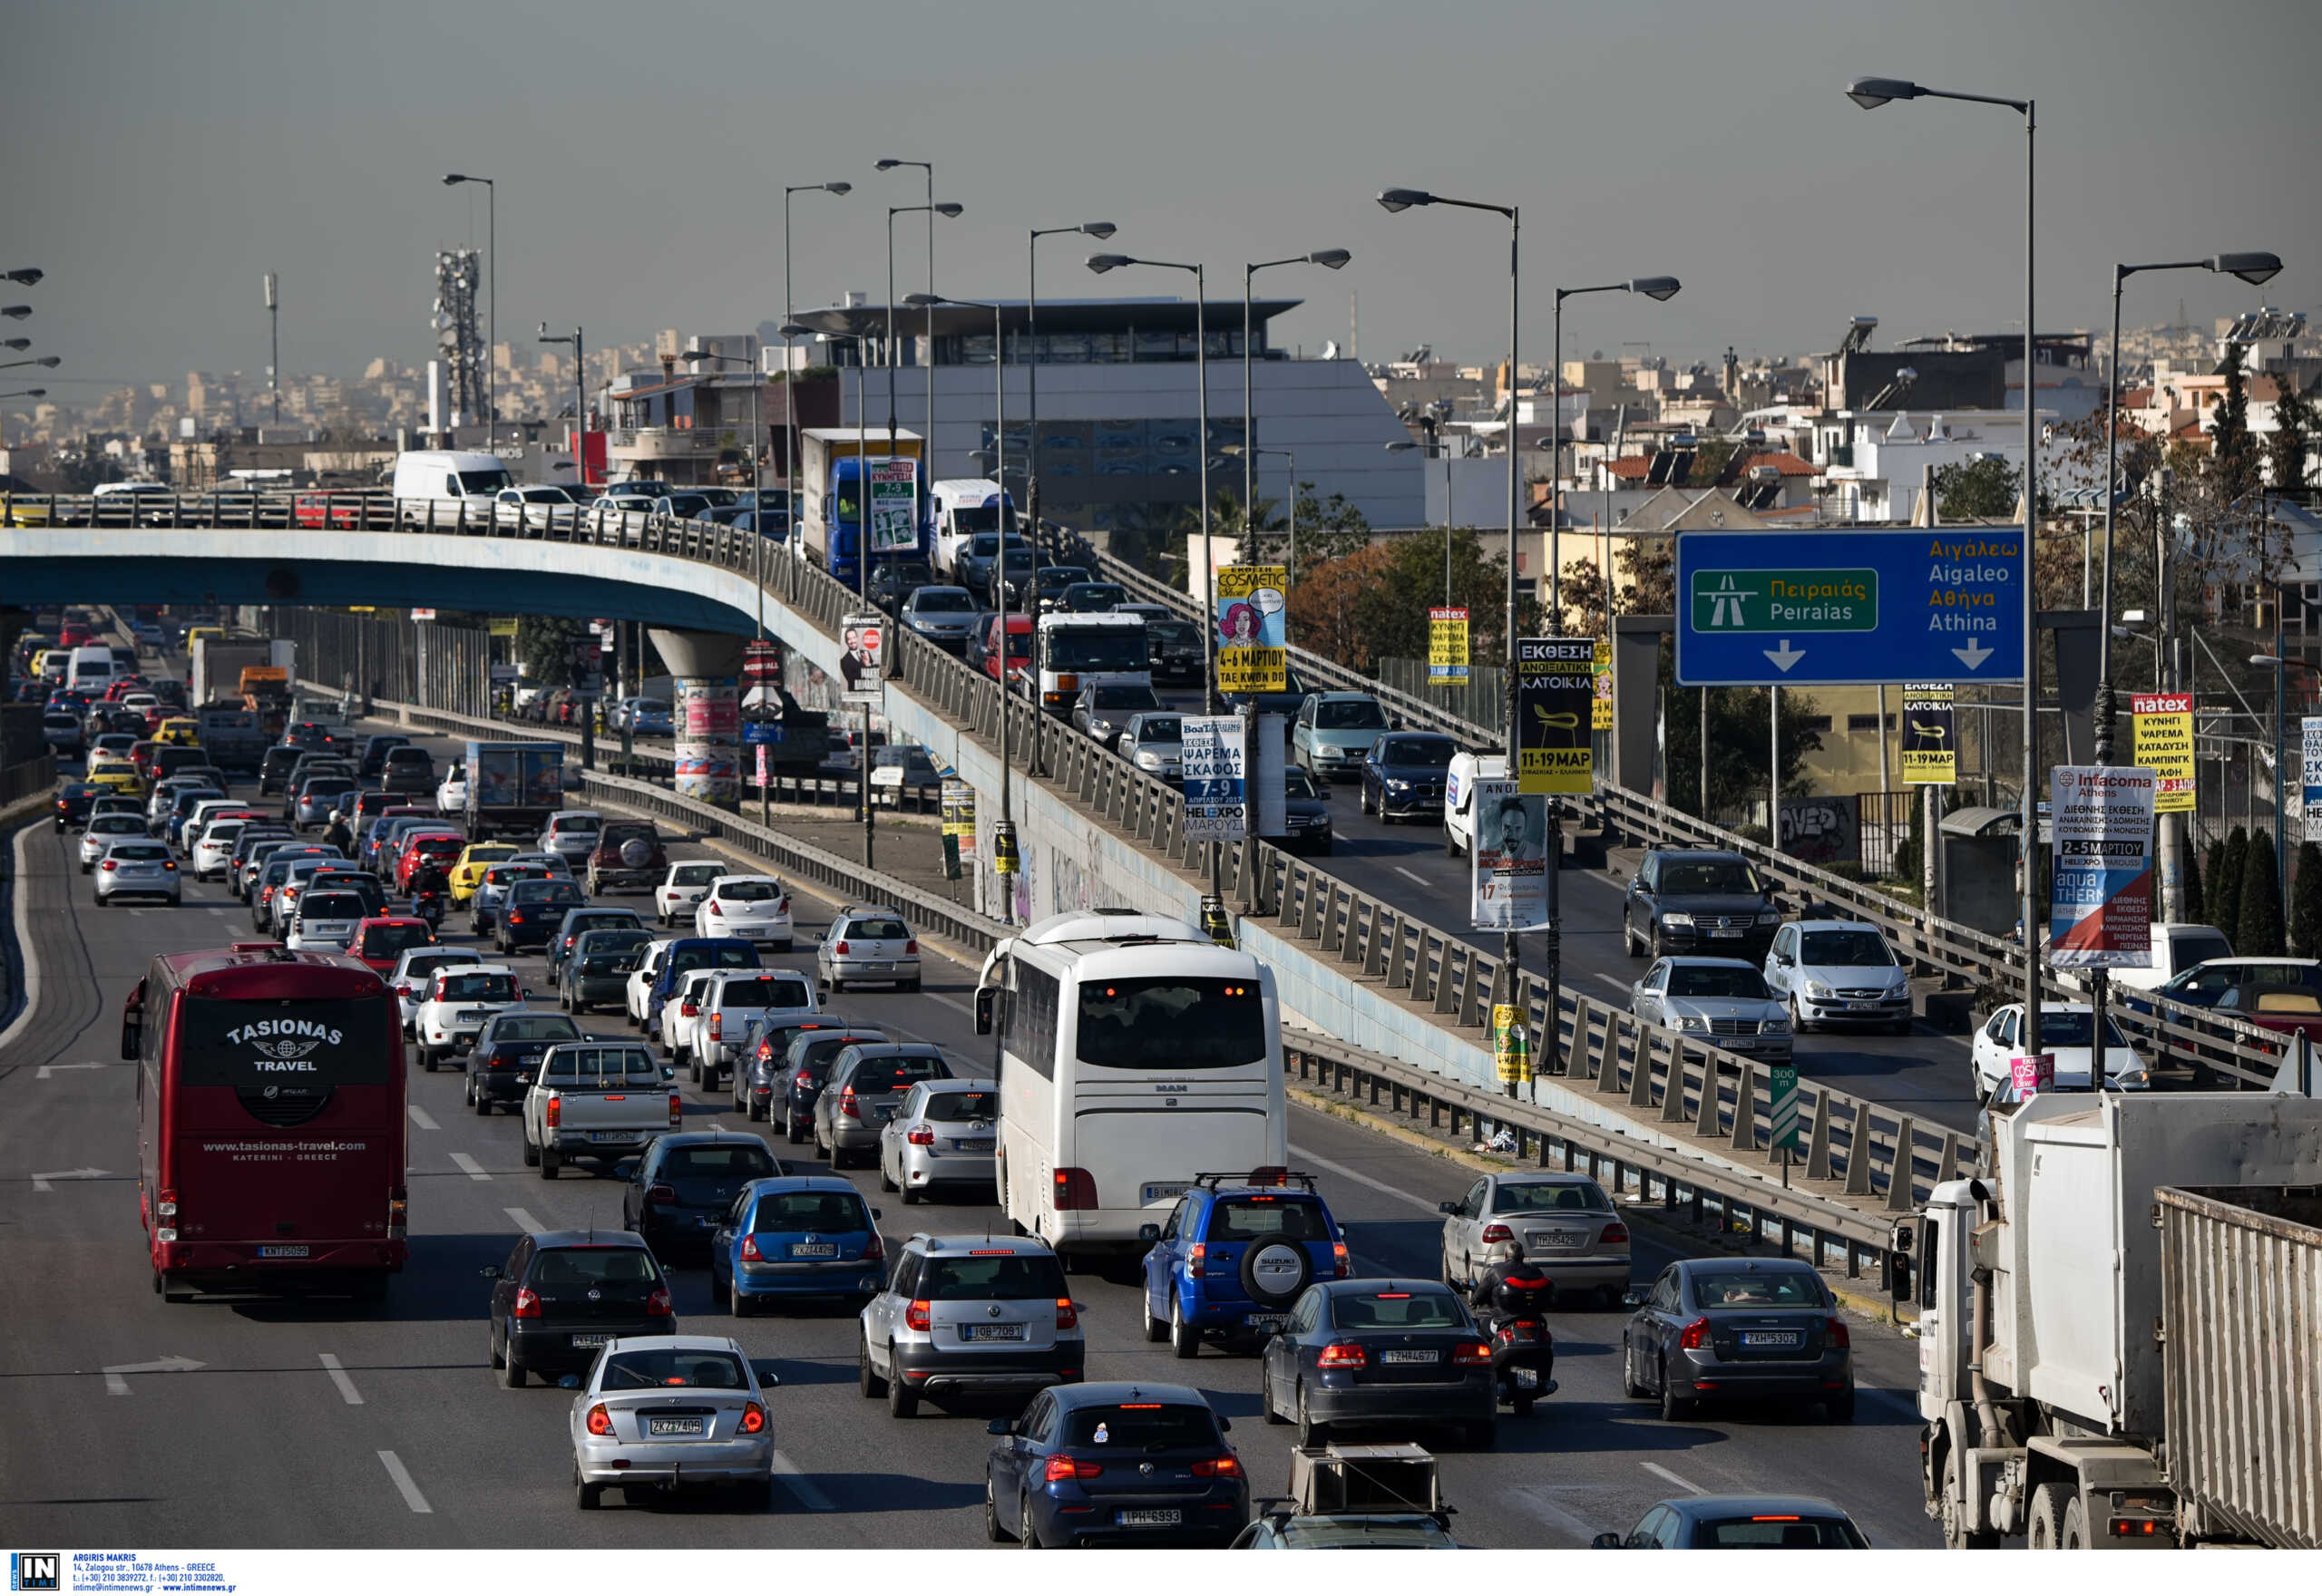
{"points": [[600, 1423], [690, 1009], [1614, 1233], [919, 1136], [1067, 1316], [1197, 1264], [1342, 1355], [1075, 1189], [1694, 1336], [715, 909], [750, 1253], [1228, 1468], [802, 1079], [716, 1027], [753, 1418], [782, 906], [874, 1251], [1341, 1267], [110, 864], [1497, 1233], [527, 1304], [1834, 1333], [660, 1193], [657, 1306], [398, 1213], [555, 1111], [677, 1110], [165, 1211], [916, 1317], [1061, 1468], [842, 950], [911, 946], [847, 1105], [1469, 1354], [404, 990]]}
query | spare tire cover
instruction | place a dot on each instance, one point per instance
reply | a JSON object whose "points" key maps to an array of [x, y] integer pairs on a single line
{"points": [[637, 853], [1274, 1272]]}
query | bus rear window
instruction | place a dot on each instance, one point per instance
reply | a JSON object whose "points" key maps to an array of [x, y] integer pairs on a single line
{"points": [[1172, 1023], [284, 1058]]}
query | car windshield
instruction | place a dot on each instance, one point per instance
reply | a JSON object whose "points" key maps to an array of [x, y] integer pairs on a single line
{"points": [[673, 1366], [749, 892], [748, 1160], [1844, 948], [1160, 728], [533, 1027], [1173, 631], [497, 987], [331, 906], [999, 1275], [593, 1266], [1775, 1532], [1123, 698], [947, 1106], [823, 1212], [1096, 649], [878, 931], [942, 601], [1396, 1310], [1708, 876], [764, 992], [873, 1076], [1171, 1022], [1297, 784], [695, 875], [1548, 1197], [1695, 980], [1758, 1287], [1350, 714], [1258, 1219], [1141, 1427], [2067, 1027], [1425, 752]]}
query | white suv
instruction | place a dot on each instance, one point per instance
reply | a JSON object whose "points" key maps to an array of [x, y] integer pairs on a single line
{"points": [[459, 1000], [414, 977], [686, 885], [754, 907]]}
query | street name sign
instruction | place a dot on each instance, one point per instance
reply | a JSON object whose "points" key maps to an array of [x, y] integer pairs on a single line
{"points": [[1850, 605]]}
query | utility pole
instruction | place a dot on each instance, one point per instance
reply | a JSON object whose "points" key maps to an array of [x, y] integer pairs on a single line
{"points": [[274, 357]]}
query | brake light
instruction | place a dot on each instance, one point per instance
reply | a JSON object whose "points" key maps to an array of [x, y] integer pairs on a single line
{"points": [[915, 1317], [782, 906], [1061, 1468], [690, 1009], [1834, 1333], [110, 864], [1469, 1354], [661, 1195], [750, 1253], [753, 1419], [919, 1136], [1497, 1233], [842, 950], [555, 1111], [1067, 1316], [404, 990], [1075, 1189], [1197, 1265], [874, 1251], [847, 1105], [657, 1306], [802, 1079], [2127, 1528], [911, 945], [1694, 1336], [600, 1423], [1341, 1266], [1342, 1355], [527, 1304], [716, 1027], [1228, 1468], [677, 1110], [1613, 1232]]}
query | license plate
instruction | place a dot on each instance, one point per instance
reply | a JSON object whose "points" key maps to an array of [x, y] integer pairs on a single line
{"points": [[1864, 1007], [871, 964], [814, 1250], [673, 1426], [1725, 930], [1770, 1338], [583, 1343], [960, 1145], [1406, 1355], [1142, 1518], [527, 1060], [282, 1253], [1565, 1241], [1164, 1190], [1267, 1321], [612, 1135], [1526, 1379], [476, 1015], [991, 1332], [882, 1113]]}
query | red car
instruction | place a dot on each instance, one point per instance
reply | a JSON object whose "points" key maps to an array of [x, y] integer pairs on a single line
{"points": [[421, 849], [73, 635], [343, 508], [381, 940]]}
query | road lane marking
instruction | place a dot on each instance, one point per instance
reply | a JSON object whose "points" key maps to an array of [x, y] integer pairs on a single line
{"points": [[801, 1484], [337, 1373], [1412, 875], [470, 1167], [1678, 1480], [47, 1070], [115, 1385], [1356, 1176], [1614, 982], [524, 1221], [404, 1482], [41, 1183], [422, 1118]]}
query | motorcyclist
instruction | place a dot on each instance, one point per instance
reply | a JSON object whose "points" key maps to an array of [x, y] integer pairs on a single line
{"points": [[1509, 1283], [429, 887], [339, 834]]}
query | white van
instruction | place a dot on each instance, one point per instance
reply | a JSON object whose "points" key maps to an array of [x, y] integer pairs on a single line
{"points": [[441, 481], [91, 667], [965, 506], [1459, 797]]}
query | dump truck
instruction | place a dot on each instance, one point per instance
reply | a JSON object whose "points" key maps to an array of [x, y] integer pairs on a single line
{"points": [[833, 463], [513, 788], [217, 664], [2118, 1321]]}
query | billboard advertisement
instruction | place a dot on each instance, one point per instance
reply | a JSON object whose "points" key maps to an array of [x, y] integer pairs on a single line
{"points": [[1253, 628], [1509, 892], [2101, 909], [1214, 781], [1446, 643], [1555, 694], [1930, 734], [2163, 744], [894, 505]]}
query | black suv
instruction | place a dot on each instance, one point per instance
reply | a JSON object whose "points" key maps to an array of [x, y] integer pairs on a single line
{"points": [[1698, 901], [563, 1294], [807, 1071]]}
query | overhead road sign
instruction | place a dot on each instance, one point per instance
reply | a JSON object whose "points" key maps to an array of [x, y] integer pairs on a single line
{"points": [[1850, 605]]}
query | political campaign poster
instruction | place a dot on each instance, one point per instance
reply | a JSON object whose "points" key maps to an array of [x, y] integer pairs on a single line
{"points": [[864, 639], [1509, 892], [1253, 628], [1215, 795], [2100, 907], [1600, 714], [1447, 643], [2163, 745], [894, 506], [1556, 687], [1930, 734]]}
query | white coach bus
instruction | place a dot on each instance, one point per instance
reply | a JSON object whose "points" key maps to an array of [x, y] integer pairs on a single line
{"points": [[1134, 1055]]}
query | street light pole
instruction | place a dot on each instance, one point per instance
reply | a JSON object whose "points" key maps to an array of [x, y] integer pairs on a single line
{"points": [[1095, 230], [928, 168], [1290, 464], [1334, 260], [926, 445], [789, 369]]}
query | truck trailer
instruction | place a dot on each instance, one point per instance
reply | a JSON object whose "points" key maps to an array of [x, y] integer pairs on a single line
{"points": [[513, 788]]}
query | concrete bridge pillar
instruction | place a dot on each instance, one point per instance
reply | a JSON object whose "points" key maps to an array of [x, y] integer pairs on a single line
{"points": [[708, 667]]}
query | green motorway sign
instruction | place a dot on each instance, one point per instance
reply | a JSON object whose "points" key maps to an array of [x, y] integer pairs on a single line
{"points": [[1795, 601]]}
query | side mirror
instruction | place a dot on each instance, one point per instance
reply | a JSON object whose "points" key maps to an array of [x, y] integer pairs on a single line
{"points": [[1001, 1427], [569, 1383], [1148, 1232], [1607, 1542], [1632, 1300], [669, 1072], [984, 1004], [1223, 1423], [132, 1037], [1898, 1279], [1453, 1209], [878, 1214]]}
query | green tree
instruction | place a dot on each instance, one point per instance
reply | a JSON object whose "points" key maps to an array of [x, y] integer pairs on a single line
{"points": [[1985, 489], [2232, 448], [2259, 932], [2225, 904], [2213, 885], [2192, 891], [544, 646], [2306, 902], [2293, 437], [1371, 603], [1737, 734]]}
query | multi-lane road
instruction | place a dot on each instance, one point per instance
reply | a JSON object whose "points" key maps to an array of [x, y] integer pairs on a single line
{"points": [[322, 1423]]}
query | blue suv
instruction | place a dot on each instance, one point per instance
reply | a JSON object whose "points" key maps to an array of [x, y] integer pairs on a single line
{"points": [[1234, 1256]]}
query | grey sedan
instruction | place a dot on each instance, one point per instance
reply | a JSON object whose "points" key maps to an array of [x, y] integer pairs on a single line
{"points": [[1721, 1000], [867, 1084], [1156, 745], [944, 1134], [1738, 1328], [1563, 1222]]}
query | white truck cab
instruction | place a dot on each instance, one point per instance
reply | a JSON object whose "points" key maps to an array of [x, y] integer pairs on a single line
{"points": [[449, 479], [965, 506]]}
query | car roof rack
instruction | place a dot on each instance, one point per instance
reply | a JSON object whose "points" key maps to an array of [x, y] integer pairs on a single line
{"points": [[1263, 1178]]}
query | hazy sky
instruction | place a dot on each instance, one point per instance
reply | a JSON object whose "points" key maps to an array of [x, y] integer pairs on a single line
{"points": [[162, 155]]}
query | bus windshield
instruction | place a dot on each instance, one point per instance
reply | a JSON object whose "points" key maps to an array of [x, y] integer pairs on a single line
{"points": [[283, 1058], [1172, 1023], [1096, 649]]}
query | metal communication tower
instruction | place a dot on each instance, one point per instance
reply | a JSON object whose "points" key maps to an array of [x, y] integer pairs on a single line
{"points": [[456, 277]]}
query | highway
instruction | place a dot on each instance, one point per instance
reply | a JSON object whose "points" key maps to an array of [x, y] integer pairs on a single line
{"points": [[310, 1423]]}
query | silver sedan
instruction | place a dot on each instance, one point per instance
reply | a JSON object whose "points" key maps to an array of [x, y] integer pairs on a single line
{"points": [[1724, 1001], [1563, 1222], [658, 1412], [944, 1134]]}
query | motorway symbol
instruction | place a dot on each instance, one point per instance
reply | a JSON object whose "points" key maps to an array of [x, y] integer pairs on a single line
{"points": [[1853, 605], [115, 1385], [41, 1183]]}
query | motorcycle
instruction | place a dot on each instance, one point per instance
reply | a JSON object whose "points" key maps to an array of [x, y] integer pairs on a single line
{"points": [[1523, 1350], [428, 896]]}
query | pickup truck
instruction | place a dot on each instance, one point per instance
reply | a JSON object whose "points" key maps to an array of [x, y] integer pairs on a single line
{"points": [[601, 1101], [726, 1004]]}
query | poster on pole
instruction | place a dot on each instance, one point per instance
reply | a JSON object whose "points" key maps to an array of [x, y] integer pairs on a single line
{"points": [[1511, 868], [894, 505], [1447, 644], [1253, 628], [864, 639], [2101, 911], [1555, 689], [1600, 714], [1214, 795], [2310, 781], [1511, 1045], [959, 814], [2163, 744], [1930, 734]]}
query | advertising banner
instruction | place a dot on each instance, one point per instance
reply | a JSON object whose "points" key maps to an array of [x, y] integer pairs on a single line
{"points": [[894, 505], [1600, 715], [1447, 643], [2164, 745], [2101, 911], [2310, 781], [1555, 689], [1253, 628], [2033, 1073], [1931, 735], [1511, 1045], [1510, 888], [864, 638], [1213, 782]]}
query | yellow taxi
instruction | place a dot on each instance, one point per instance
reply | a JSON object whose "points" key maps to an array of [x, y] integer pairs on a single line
{"points": [[475, 859], [180, 732], [116, 774]]}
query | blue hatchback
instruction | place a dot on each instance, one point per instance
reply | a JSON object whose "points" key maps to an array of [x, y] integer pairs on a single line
{"points": [[796, 1236], [1234, 1256], [1114, 1463]]}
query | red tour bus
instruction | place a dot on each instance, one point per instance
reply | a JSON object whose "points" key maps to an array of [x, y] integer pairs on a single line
{"points": [[271, 1102]]}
